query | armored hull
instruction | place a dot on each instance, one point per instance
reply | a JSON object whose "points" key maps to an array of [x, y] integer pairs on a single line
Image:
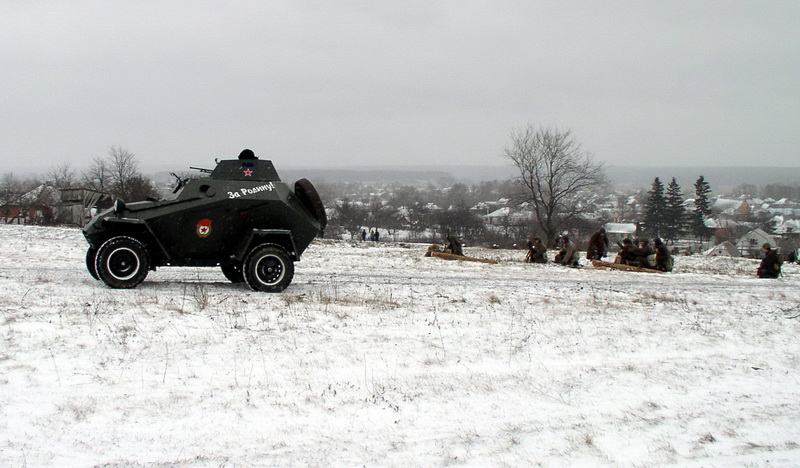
{"points": [[241, 218]]}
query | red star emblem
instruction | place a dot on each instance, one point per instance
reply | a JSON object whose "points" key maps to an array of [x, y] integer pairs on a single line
{"points": [[248, 172]]}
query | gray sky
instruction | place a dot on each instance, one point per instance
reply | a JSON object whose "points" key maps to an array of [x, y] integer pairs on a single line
{"points": [[354, 83]]}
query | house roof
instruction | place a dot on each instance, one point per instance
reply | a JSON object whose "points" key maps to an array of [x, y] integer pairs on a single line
{"points": [[45, 194], [723, 204], [725, 248], [620, 228], [758, 234], [498, 212]]}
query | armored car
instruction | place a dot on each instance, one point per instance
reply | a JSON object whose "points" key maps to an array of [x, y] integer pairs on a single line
{"points": [[240, 217]]}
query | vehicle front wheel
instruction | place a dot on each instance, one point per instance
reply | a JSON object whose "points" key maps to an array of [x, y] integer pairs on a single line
{"points": [[232, 271], [91, 255], [268, 268], [122, 262]]}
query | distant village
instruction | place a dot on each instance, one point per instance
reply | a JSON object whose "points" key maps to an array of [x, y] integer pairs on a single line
{"points": [[737, 226], [491, 213]]}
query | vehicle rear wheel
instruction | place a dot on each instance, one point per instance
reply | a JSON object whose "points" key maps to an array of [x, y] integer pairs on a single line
{"points": [[91, 255], [232, 271], [122, 262], [268, 268]]}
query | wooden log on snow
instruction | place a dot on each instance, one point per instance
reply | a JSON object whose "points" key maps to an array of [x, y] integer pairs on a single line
{"points": [[449, 256], [601, 265]]}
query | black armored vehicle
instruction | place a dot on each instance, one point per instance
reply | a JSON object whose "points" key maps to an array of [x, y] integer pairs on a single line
{"points": [[241, 217]]}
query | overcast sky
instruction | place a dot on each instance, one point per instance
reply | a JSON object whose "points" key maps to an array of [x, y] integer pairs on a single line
{"points": [[370, 83]]}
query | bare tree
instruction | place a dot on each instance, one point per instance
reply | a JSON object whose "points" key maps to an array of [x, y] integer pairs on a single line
{"points": [[98, 176], [381, 215], [460, 222], [123, 169], [418, 219], [350, 216], [10, 189], [118, 175], [554, 170], [141, 188], [62, 176]]}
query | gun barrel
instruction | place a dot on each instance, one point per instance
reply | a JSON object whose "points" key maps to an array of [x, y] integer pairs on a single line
{"points": [[207, 171]]}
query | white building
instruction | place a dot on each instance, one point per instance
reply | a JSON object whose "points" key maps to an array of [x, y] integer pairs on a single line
{"points": [[750, 243]]}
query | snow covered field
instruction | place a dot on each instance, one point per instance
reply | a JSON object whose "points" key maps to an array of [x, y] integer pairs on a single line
{"points": [[377, 356]]}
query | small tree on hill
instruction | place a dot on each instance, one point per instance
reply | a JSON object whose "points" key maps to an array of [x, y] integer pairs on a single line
{"points": [[655, 209], [675, 218], [702, 209]]}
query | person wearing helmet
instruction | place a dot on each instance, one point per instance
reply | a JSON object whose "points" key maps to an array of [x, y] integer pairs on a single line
{"points": [[537, 252], [663, 257], [627, 253], [645, 254]]}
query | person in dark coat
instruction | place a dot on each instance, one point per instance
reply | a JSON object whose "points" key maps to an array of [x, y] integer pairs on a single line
{"points": [[663, 257], [627, 253], [537, 252], [770, 266], [598, 246], [454, 246]]}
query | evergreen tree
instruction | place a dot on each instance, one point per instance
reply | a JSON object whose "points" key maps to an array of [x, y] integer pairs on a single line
{"points": [[655, 209], [675, 218], [702, 209]]}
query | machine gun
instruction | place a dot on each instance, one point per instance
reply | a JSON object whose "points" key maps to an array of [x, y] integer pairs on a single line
{"points": [[203, 170]]}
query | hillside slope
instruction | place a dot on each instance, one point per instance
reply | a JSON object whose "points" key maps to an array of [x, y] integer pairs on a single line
{"points": [[378, 356]]}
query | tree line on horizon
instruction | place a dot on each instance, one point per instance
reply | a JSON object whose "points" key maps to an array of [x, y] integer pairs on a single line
{"points": [[665, 214], [556, 182], [116, 174]]}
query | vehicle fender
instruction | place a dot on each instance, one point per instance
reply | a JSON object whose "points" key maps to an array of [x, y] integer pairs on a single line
{"points": [[278, 237], [137, 229]]}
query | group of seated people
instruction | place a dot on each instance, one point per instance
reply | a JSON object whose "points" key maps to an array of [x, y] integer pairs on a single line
{"points": [[642, 254], [639, 253]]}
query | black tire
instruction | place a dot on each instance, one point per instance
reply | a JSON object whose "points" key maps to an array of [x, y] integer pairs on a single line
{"points": [[122, 262], [307, 194], [268, 268], [91, 255], [232, 271]]}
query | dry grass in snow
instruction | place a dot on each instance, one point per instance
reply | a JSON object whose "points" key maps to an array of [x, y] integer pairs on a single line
{"points": [[378, 356]]}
